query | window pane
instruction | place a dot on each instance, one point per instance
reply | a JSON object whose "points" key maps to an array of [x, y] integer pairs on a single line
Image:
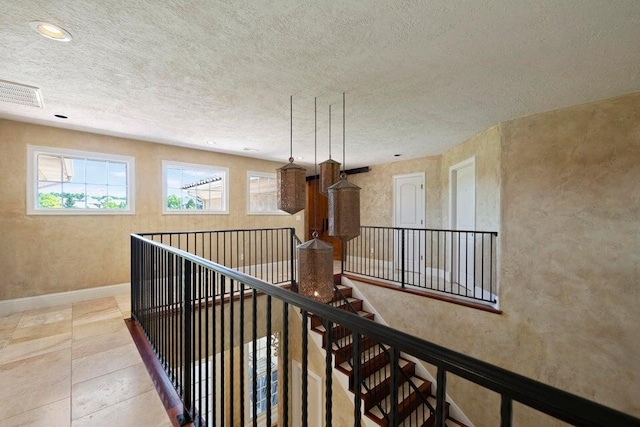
{"points": [[75, 169], [262, 194], [117, 173], [73, 196], [191, 178], [173, 199], [96, 172], [49, 195], [174, 178], [49, 168], [97, 196], [188, 201], [117, 197]]}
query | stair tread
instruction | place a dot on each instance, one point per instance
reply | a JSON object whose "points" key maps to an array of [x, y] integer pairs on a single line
{"points": [[382, 374], [343, 342], [422, 414], [322, 329], [340, 302], [404, 390], [365, 356], [418, 417]]}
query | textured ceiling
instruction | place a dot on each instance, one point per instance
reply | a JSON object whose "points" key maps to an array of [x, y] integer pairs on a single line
{"points": [[420, 77]]}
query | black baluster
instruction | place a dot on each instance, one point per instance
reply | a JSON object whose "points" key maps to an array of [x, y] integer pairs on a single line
{"points": [[506, 411], [305, 368], [328, 373], [441, 396]]}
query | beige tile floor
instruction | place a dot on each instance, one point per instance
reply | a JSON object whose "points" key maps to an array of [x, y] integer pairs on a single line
{"points": [[75, 365]]}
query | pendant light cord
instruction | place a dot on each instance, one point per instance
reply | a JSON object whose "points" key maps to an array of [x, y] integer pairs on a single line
{"points": [[291, 130], [329, 131], [315, 167], [344, 163]]}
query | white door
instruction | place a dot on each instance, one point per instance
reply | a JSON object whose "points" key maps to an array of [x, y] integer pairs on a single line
{"points": [[408, 194], [314, 397], [463, 183]]}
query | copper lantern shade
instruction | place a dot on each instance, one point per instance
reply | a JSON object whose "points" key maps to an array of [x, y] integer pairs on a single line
{"points": [[329, 175], [315, 261], [291, 187], [344, 210]]}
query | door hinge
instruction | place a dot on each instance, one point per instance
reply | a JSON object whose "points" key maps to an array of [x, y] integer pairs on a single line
{"points": [[420, 222], [421, 187]]}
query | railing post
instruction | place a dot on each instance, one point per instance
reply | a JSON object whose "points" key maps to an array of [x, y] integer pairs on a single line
{"points": [[292, 255], [135, 265], [506, 411], [402, 257], [357, 381], [395, 364], [441, 396], [186, 417], [343, 254]]}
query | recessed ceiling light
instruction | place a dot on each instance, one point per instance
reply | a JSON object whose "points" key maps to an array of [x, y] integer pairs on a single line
{"points": [[300, 158], [60, 116], [210, 142], [250, 149], [51, 31]]}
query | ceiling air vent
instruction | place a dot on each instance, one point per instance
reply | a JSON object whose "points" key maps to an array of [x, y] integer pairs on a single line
{"points": [[15, 93]]}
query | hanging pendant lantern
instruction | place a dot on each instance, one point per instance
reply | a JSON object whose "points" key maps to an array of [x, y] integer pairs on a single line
{"points": [[329, 169], [315, 257], [315, 261], [291, 187], [291, 182], [344, 202], [344, 210]]}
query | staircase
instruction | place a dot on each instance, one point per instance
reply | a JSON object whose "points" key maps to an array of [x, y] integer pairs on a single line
{"points": [[416, 402]]}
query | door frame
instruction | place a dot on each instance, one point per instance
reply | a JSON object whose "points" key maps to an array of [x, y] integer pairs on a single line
{"points": [[453, 211], [453, 170]]}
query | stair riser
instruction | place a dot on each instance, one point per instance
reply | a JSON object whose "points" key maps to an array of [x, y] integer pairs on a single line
{"points": [[382, 390], [407, 406], [346, 353], [339, 332], [316, 321], [370, 366]]}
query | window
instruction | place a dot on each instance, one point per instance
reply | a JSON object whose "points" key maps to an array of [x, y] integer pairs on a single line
{"points": [[75, 182], [260, 358], [262, 194], [189, 188]]}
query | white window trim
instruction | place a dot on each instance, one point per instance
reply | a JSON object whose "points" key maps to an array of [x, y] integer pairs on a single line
{"points": [[225, 196], [32, 179], [263, 175]]}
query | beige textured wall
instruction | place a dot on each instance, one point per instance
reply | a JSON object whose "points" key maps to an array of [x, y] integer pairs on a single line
{"points": [[570, 262], [43, 254], [377, 191]]}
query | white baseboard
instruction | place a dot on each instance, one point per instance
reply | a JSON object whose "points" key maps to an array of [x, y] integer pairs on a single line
{"points": [[50, 300]]}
